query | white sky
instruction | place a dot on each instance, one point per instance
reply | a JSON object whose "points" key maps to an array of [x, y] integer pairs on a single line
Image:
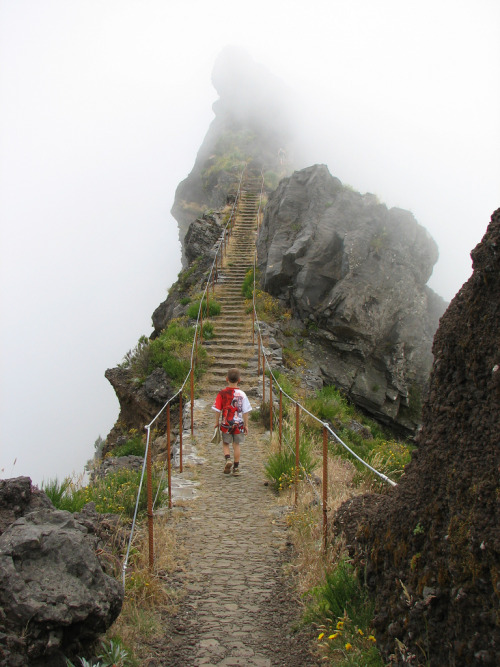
{"points": [[103, 106]]}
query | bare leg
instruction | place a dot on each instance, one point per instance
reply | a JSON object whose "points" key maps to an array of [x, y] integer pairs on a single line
{"points": [[225, 448], [236, 450]]}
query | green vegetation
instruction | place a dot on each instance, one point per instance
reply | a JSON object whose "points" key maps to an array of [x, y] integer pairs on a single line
{"points": [[116, 493], [329, 405], [214, 309], [208, 330], [135, 446], [232, 151], [172, 352], [271, 180], [247, 285], [280, 467], [137, 359], [343, 612]]}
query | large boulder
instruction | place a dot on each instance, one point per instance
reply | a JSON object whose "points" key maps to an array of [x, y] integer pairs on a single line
{"points": [[432, 546], [357, 273], [139, 402], [17, 498], [55, 599]]}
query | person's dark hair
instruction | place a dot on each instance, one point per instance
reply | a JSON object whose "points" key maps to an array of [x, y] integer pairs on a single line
{"points": [[233, 375]]}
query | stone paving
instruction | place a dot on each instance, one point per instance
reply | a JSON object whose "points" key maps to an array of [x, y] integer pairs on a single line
{"points": [[238, 609]]}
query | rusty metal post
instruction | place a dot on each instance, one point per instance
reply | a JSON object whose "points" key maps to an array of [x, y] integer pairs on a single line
{"points": [[213, 282], [271, 404], [253, 324], [263, 377], [207, 314], [258, 355], [149, 482], [201, 325], [180, 431], [280, 421], [325, 487], [192, 400], [169, 460], [297, 446]]}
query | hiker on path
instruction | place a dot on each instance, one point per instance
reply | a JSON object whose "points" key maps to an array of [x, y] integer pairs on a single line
{"points": [[233, 405]]}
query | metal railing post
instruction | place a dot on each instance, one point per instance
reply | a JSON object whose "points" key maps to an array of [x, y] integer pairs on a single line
{"points": [[149, 481], [263, 377], [258, 355], [281, 421], [192, 400], [253, 326], [180, 431], [169, 460], [325, 487], [271, 404], [297, 445]]}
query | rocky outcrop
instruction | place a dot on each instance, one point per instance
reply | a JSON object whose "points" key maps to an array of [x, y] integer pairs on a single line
{"points": [[55, 599], [139, 402], [200, 246], [356, 272], [252, 126], [432, 547], [17, 498]]}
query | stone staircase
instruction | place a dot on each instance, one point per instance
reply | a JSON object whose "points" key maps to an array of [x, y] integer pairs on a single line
{"points": [[232, 344]]}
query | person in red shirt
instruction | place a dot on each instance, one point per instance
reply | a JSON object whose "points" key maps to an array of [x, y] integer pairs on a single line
{"points": [[232, 407]]}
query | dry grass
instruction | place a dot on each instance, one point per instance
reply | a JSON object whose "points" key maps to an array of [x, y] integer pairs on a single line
{"points": [[305, 522], [149, 594]]}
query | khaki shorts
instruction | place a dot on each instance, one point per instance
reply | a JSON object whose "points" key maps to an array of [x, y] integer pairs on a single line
{"points": [[236, 438]]}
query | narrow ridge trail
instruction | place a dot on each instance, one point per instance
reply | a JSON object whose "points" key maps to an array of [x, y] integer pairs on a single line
{"points": [[238, 608]]}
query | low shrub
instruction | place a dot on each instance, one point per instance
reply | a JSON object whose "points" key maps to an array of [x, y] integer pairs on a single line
{"points": [[133, 447], [329, 404], [214, 309], [247, 284], [172, 352], [343, 611], [116, 493], [208, 331], [280, 466]]}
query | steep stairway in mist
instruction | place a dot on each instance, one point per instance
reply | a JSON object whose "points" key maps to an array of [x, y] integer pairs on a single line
{"points": [[232, 344]]}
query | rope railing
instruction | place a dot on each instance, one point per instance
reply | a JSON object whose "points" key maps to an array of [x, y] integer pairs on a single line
{"points": [[212, 277]]}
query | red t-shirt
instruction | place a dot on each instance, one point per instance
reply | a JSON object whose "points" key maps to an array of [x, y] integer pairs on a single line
{"points": [[232, 403]]}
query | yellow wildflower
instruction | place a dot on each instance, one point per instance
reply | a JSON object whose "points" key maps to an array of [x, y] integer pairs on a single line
{"points": [[348, 646], [360, 632], [340, 625], [372, 638], [334, 636], [320, 637]]}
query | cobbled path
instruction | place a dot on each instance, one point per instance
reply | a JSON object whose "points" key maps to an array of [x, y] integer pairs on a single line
{"points": [[239, 608]]}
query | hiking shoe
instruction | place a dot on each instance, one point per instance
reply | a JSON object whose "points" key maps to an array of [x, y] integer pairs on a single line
{"points": [[228, 466], [236, 471]]}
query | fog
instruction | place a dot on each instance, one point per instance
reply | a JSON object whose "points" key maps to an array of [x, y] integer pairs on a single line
{"points": [[103, 106]]}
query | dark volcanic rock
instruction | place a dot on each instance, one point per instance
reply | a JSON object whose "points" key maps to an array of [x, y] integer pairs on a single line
{"points": [[432, 547], [17, 498], [200, 246], [358, 272], [138, 403], [55, 598]]}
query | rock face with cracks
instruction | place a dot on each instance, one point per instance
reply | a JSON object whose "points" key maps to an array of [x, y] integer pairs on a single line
{"points": [[432, 547], [357, 273], [55, 599]]}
